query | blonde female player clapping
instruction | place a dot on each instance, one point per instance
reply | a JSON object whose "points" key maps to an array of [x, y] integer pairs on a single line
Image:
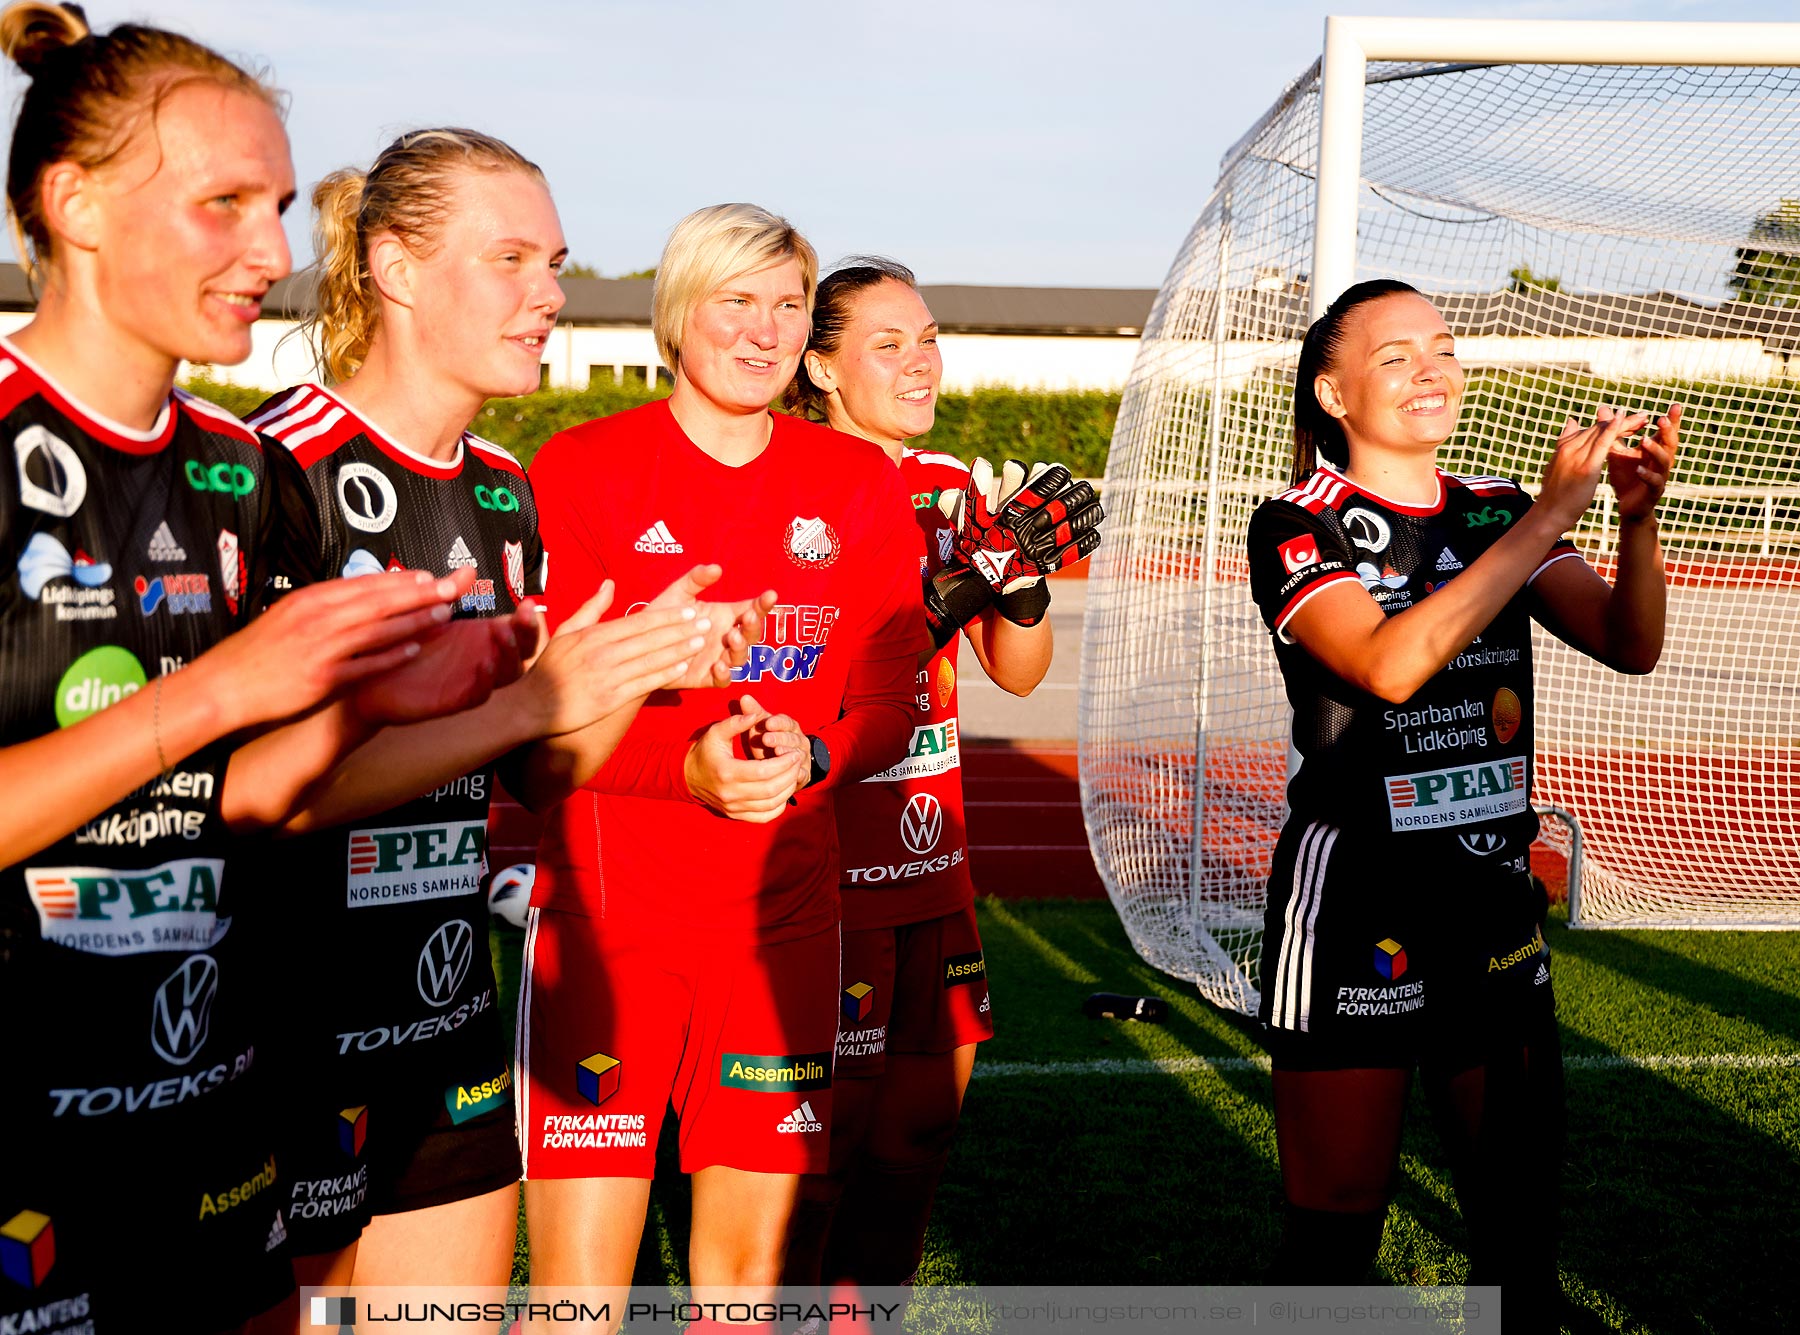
{"points": [[437, 289], [140, 529]]}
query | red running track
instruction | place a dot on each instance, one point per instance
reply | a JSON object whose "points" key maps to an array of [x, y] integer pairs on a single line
{"points": [[1026, 839]]}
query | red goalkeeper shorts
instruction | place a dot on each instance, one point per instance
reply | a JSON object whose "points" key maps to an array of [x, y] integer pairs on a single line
{"points": [[735, 1034], [919, 988]]}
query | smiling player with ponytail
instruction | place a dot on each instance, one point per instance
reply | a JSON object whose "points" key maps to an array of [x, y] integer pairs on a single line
{"points": [[139, 530], [1403, 928], [436, 290]]}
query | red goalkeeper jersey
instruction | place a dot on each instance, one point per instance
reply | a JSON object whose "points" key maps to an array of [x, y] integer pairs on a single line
{"points": [[905, 844], [822, 519]]}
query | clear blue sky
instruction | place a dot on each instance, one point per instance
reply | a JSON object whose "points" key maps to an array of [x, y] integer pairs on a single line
{"points": [[1033, 142]]}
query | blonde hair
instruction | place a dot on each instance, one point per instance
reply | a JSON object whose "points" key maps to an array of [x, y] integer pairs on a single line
{"points": [[89, 95], [409, 191], [712, 245]]}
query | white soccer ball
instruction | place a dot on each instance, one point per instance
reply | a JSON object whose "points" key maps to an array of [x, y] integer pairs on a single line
{"points": [[509, 893]]}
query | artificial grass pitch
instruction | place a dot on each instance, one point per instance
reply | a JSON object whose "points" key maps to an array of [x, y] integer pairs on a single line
{"points": [[1095, 1151]]}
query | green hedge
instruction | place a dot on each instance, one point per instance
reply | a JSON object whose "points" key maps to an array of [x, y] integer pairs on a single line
{"points": [[1724, 440], [1074, 428], [235, 399]]}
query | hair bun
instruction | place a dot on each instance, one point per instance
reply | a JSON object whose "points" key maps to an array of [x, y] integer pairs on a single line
{"points": [[32, 32]]}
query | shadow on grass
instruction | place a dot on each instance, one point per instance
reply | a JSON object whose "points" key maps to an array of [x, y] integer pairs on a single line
{"points": [[1718, 990], [1677, 1202], [1084, 1178]]}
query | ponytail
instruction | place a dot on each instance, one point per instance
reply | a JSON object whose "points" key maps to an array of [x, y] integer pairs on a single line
{"points": [[1317, 434], [409, 191], [343, 300]]}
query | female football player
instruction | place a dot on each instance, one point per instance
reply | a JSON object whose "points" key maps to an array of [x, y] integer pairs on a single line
{"points": [[141, 527], [915, 999], [437, 290], [684, 946], [1402, 924]]}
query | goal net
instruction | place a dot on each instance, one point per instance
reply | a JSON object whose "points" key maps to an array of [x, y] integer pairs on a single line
{"points": [[1592, 234]]}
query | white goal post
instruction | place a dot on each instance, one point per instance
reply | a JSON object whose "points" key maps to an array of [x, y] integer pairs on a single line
{"points": [[1604, 212]]}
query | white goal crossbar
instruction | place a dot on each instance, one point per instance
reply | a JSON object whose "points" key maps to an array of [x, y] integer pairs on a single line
{"points": [[1351, 43], [1604, 212]]}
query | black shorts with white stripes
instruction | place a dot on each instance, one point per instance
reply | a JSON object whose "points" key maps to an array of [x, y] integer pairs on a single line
{"points": [[1347, 962], [1374, 959]]}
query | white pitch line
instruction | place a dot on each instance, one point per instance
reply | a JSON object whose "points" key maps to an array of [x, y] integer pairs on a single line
{"points": [[1736, 1061], [1122, 1066]]}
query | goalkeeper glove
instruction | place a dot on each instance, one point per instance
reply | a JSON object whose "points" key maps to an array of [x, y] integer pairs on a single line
{"points": [[954, 597], [1016, 528]]}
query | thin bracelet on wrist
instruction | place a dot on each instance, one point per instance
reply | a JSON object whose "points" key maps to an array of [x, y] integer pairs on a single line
{"points": [[156, 726]]}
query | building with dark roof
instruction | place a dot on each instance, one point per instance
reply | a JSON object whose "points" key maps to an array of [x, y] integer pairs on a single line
{"points": [[1054, 338]]}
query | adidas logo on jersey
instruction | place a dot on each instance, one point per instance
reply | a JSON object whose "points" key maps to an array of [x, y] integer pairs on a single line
{"points": [[658, 541], [801, 1120], [163, 547], [1543, 974], [277, 1234], [460, 555], [1447, 560]]}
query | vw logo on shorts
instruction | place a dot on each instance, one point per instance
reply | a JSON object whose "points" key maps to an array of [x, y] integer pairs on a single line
{"points": [[1482, 843], [366, 497], [921, 823], [181, 1013], [444, 962]]}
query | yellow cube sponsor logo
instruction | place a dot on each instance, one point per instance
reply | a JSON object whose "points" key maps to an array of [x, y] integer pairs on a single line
{"points": [[353, 1129], [27, 1248], [597, 1078], [1390, 959], [859, 1000]]}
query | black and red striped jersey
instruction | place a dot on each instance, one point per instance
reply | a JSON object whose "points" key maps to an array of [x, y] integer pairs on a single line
{"points": [[127, 554], [388, 888], [383, 507], [1450, 770]]}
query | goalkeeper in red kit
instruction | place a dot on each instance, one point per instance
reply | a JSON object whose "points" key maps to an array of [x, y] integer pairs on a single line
{"points": [[914, 1001], [683, 943]]}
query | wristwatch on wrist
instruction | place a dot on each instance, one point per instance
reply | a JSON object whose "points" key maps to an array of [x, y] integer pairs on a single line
{"points": [[821, 760]]}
